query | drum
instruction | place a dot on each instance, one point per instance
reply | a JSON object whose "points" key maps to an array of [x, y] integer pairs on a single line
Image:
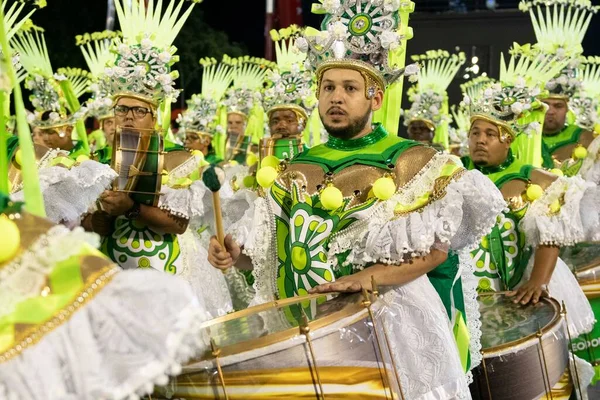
{"points": [[524, 348], [274, 351], [584, 260], [282, 148], [138, 158]]}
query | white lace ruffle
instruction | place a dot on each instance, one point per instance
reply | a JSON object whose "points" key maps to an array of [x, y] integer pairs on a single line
{"points": [[207, 283], [467, 212], [24, 276], [69, 193], [565, 289], [469, 284], [564, 228], [186, 168], [586, 373], [140, 328], [590, 169], [188, 203], [417, 325], [589, 209], [254, 232]]}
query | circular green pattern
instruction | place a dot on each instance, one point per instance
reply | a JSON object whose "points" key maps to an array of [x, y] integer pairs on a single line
{"points": [[144, 262], [508, 101], [360, 24], [300, 258], [162, 256], [122, 258]]}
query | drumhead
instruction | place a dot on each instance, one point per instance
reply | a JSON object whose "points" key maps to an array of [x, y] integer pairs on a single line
{"points": [[582, 257], [505, 324], [274, 322]]}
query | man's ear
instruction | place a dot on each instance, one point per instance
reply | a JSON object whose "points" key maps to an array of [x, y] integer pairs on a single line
{"points": [[69, 129], [377, 100]]}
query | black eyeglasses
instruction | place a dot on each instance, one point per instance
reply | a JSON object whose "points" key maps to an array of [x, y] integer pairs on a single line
{"points": [[138, 112]]}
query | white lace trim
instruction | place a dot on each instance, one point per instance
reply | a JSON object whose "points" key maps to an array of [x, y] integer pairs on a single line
{"points": [[469, 284], [185, 168], [23, 277], [467, 212], [564, 228], [158, 333], [185, 203], [69, 193], [43, 162], [590, 169]]}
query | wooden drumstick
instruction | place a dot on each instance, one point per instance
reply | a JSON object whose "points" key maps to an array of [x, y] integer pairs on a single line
{"points": [[214, 178]]}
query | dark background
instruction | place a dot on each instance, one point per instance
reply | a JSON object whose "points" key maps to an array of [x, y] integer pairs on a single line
{"points": [[237, 27]]}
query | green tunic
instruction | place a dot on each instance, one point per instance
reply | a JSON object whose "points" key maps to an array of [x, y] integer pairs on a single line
{"points": [[568, 136], [502, 256]]}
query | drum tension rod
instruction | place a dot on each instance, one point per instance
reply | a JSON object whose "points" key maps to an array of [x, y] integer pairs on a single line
{"points": [[375, 293], [216, 352], [577, 383], [305, 330], [544, 365]]}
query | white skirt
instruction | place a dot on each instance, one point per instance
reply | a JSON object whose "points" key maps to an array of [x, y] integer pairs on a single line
{"points": [[137, 330]]}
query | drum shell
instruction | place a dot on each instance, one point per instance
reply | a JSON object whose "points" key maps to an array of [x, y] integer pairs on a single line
{"points": [[346, 354], [517, 370], [282, 148]]}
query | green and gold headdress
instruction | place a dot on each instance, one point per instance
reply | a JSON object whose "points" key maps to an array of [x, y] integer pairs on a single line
{"points": [[245, 94], [145, 55], [202, 114], [429, 98], [471, 90], [289, 86], [586, 103], [96, 50], [512, 104], [368, 36], [560, 27], [57, 93]]}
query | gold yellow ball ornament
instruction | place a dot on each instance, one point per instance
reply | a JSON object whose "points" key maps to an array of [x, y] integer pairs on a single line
{"points": [[9, 245], [197, 153], [580, 153], [597, 129], [555, 206], [81, 158], [266, 176], [384, 188], [331, 198], [249, 181], [270, 161], [164, 179], [18, 157], [557, 172], [251, 159], [534, 192]]}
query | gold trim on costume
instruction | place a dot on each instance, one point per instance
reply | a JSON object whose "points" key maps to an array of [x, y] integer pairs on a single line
{"points": [[33, 335], [355, 65], [288, 107]]}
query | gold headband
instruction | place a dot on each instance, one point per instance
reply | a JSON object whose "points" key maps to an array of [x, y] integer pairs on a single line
{"points": [[299, 111], [503, 129], [372, 79]]}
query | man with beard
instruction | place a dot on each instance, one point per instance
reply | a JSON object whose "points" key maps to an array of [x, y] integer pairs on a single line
{"points": [[362, 207]]}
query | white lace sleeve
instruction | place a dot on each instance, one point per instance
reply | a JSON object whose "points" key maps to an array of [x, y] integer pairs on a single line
{"points": [[69, 193], [188, 203], [140, 328], [466, 213], [564, 227], [590, 169]]}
